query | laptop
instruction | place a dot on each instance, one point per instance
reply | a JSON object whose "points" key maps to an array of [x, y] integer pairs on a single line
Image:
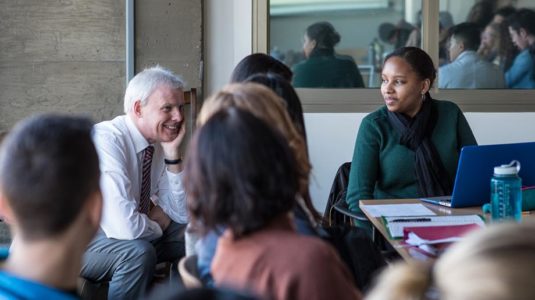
{"points": [[476, 167]]}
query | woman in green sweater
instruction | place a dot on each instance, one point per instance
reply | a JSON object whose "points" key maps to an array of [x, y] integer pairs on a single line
{"points": [[408, 148]]}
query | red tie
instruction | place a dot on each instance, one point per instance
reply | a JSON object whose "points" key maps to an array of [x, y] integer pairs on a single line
{"points": [[144, 202]]}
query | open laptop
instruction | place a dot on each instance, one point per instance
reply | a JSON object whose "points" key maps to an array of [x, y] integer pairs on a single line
{"points": [[476, 167]]}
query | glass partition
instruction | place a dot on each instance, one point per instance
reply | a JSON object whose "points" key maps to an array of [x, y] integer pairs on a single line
{"points": [[369, 29], [341, 43]]}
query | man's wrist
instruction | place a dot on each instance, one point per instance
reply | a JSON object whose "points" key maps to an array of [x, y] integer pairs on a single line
{"points": [[172, 161]]}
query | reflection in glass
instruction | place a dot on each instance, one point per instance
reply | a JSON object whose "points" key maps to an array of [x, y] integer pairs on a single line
{"points": [[368, 29], [467, 69], [323, 68], [494, 19]]}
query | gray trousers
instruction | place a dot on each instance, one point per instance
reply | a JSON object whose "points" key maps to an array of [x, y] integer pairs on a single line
{"points": [[128, 265]]}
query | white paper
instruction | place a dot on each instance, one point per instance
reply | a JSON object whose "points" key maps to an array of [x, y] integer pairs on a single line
{"points": [[415, 240], [395, 210]]}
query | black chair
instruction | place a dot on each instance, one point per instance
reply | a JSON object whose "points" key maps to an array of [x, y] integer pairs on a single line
{"points": [[187, 268], [337, 211]]}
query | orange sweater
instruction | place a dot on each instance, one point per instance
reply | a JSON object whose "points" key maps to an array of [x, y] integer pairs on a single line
{"points": [[277, 263]]}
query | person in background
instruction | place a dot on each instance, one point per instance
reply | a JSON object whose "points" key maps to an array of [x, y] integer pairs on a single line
{"points": [[408, 148], [521, 75], [322, 67], [490, 43], [495, 263], [233, 181], [50, 196], [496, 44], [467, 69], [286, 92], [503, 13], [266, 105], [507, 51], [144, 213], [259, 63], [482, 13]]}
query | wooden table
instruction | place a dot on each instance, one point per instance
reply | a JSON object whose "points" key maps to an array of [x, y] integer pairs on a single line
{"points": [[408, 253]]}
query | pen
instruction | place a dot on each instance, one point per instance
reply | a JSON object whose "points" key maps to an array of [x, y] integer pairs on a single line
{"points": [[412, 220]]}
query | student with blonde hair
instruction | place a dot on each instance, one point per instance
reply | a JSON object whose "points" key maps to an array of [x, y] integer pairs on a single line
{"points": [[496, 263], [267, 106]]}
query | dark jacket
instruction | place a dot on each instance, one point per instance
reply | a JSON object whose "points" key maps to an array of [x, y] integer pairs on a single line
{"points": [[323, 69]]}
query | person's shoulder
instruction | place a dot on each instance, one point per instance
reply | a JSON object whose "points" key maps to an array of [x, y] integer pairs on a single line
{"points": [[12, 287], [111, 130], [300, 66], [378, 116], [445, 106], [117, 123], [445, 69]]}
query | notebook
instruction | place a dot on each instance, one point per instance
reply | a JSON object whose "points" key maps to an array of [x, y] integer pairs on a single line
{"points": [[397, 225], [476, 167]]}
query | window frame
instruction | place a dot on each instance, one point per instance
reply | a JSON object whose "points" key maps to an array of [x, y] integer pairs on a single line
{"points": [[345, 100]]}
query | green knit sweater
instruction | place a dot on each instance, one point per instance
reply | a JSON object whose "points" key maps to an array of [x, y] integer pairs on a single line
{"points": [[382, 168]]}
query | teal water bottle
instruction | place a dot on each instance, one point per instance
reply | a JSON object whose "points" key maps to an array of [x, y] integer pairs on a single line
{"points": [[505, 193]]}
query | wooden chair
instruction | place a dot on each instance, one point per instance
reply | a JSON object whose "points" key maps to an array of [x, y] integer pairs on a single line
{"points": [[187, 268], [191, 99]]}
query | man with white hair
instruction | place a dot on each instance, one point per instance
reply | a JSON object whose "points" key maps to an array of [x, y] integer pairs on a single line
{"points": [[144, 211]]}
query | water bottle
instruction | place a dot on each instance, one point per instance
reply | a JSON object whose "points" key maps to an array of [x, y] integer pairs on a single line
{"points": [[378, 54], [505, 193]]}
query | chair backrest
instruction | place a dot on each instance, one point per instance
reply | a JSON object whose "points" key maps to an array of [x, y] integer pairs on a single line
{"points": [[187, 268], [191, 98], [338, 191]]}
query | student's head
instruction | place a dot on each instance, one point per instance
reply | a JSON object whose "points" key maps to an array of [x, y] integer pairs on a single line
{"points": [[240, 173], [490, 37], [522, 28], [320, 35], [286, 92], [266, 105], [259, 63], [49, 177], [154, 100], [503, 13], [482, 13], [408, 74], [495, 263], [463, 37]]}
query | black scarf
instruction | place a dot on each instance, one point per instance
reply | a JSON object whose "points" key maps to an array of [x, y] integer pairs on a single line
{"points": [[433, 179]]}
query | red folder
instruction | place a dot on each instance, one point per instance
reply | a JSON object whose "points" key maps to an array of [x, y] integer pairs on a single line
{"points": [[432, 233]]}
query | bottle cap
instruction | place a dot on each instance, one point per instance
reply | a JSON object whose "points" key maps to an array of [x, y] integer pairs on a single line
{"points": [[511, 169]]}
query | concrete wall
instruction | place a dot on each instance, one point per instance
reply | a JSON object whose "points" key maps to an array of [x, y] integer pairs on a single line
{"points": [[169, 33], [69, 55], [63, 56], [228, 38]]}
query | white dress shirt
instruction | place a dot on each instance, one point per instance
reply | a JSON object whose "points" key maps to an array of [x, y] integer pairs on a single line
{"points": [[470, 71], [120, 148]]}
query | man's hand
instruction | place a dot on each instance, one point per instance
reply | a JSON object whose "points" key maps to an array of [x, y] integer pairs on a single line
{"points": [[157, 215], [171, 149]]}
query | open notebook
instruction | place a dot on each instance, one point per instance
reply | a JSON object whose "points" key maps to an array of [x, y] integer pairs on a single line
{"points": [[396, 225]]}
